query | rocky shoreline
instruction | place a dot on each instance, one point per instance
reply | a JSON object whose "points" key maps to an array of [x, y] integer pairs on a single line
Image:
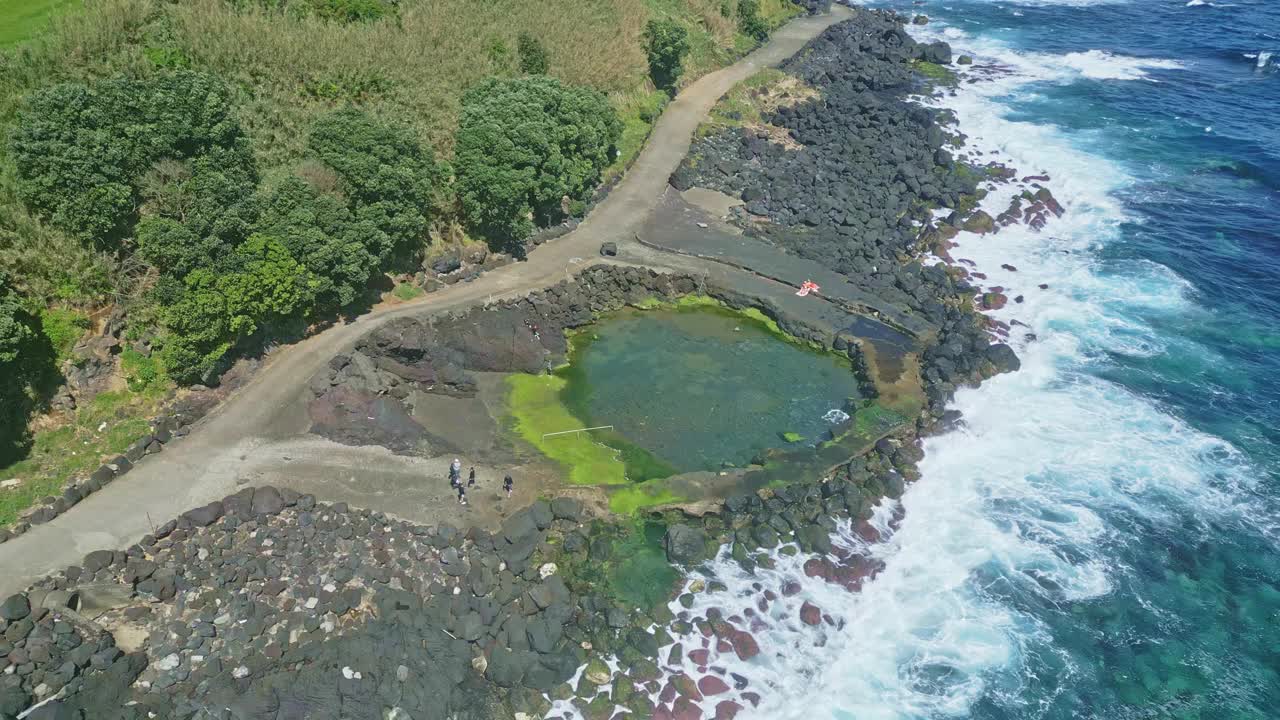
{"points": [[269, 604]]}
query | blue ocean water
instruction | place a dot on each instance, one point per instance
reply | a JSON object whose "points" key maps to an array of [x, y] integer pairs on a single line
{"points": [[1102, 538]]}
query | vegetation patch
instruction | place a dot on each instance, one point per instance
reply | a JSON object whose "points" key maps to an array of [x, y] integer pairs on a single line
{"points": [[407, 291], [100, 430], [753, 100], [63, 327], [21, 19], [934, 73], [638, 112], [536, 407], [629, 500]]}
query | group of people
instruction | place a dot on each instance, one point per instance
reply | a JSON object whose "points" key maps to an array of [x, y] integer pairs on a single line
{"points": [[455, 481]]}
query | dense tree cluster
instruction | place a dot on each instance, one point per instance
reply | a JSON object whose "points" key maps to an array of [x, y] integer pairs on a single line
{"points": [[523, 146], [155, 172], [667, 43], [82, 151], [170, 171]]}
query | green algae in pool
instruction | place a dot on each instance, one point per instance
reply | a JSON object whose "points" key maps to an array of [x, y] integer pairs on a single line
{"points": [[698, 388]]}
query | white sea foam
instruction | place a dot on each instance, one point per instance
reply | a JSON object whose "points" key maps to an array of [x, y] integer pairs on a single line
{"points": [[1048, 67], [1017, 500]]}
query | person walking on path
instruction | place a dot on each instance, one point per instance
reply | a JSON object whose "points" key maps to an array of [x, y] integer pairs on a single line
{"points": [[471, 477], [462, 494], [455, 472], [508, 485]]}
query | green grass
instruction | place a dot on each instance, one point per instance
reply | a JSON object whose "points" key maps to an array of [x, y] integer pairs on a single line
{"points": [[407, 291], [626, 501], [638, 111], [535, 405], [63, 327], [935, 73], [792, 437], [76, 449], [22, 19]]}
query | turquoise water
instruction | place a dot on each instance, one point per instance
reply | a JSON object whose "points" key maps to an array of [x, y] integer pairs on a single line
{"points": [[699, 388], [1100, 539]]}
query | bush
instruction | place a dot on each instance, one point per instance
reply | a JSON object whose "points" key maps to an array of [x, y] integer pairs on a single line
{"points": [[217, 312], [388, 177], [350, 11], [81, 151], [533, 55], [17, 326], [750, 22], [339, 250], [63, 328], [27, 366], [667, 43], [524, 144]]}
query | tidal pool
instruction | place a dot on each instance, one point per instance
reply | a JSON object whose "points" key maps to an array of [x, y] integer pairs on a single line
{"points": [[697, 388]]}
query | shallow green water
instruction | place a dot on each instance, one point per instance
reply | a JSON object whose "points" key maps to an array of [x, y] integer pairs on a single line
{"points": [[701, 387]]}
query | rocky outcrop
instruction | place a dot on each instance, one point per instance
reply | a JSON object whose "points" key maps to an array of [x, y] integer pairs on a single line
{"points": [[857, 194], [268, 602]]}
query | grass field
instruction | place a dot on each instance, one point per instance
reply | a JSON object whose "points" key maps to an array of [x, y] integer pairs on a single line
{"points": [[23, 19]]}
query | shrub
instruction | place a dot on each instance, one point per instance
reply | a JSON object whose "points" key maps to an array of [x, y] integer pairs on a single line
{"points": [[339, 250], [350, 11], [533, 55], [217, 312], [62, 327], [522, 145], [81, 151], [749, 20], [667, 43], [26, 364], [17, 326], [388, 177]]}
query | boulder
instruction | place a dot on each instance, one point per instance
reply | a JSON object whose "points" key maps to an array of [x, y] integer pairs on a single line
{"points": [[1003, 358], [266, 501], [15, 607], [565, 508], [200, 517], [686, 544], [810, 614]]}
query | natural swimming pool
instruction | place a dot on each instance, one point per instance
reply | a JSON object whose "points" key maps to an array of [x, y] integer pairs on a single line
{"points": [[700, 388]]}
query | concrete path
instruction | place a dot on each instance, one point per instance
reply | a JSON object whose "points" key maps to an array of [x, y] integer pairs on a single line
{"points": [[205, 465]]}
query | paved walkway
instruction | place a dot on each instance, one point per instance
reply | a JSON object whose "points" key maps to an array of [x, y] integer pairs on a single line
{"points": [[205, 465]]}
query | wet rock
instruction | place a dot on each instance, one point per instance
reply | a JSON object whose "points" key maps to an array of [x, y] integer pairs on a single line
{"points": [[810, 614], [15, 607], [685, 544], [1003, 358]]}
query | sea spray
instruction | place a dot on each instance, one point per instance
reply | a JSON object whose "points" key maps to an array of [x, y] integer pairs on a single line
{"points": [[1011, 514]]}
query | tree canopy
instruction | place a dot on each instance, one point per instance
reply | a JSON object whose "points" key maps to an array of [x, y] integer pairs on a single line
{"points": [[523, 144], [82, 151], [667, 43]]}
